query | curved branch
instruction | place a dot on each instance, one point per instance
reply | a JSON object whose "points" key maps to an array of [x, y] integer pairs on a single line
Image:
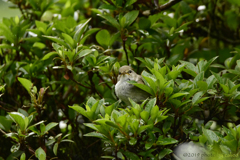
{"points": [[160, 8]]}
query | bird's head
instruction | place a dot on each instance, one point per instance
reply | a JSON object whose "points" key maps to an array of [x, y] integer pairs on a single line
{"points": [[126, 73]]}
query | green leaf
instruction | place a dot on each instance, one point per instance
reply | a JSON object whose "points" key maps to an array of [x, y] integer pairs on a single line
{"points": [[41, 26], [143, 87], [9, 35], [19, 119], [49, 55], [131, 155], [26, 83], [209, 63], [132, 141], [143, 128], [95, 134], [57, 40], [111, 20], [23, 156], [144, 115], [197, 96], [201, 100], [164, 152], [217, 76], [210, 81], [130, 17], [130, 2], [68, 39], [79, 110], [79, 31], [84, 53], [203, 86], [234, 88], [225, 88], [191, 72], [199, 77], [50, 126], [173, 74], [55, 148], [103, 38], [166, 141], [160, 79], [210, 135], [5, 123], [150, 105], [151, 83], [178, 95], [40, 154]]}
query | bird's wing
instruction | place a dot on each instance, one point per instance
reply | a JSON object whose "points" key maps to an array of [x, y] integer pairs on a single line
{"points": [[140, 80]]}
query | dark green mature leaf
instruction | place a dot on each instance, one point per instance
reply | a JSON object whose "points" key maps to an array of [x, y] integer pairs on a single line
{"points": [[164, 152], [211, 136], [130, 17], [68, 39], [111, 20], [95, 134], [166, 141], [5, 123], [103, 38], [197, 96], [19, 119], [57, 40], [50, 126]]}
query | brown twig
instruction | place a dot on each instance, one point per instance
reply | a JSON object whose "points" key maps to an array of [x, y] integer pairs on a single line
{"points": [[125, 50], [160, 8]]}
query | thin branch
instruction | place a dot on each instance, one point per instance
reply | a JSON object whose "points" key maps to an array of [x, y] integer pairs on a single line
{"points": [[80, 83], [125, 50], [160, 8]]}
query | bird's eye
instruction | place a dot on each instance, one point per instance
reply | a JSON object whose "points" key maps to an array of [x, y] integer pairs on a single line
{"points": [[129, 71], [119, 73]]}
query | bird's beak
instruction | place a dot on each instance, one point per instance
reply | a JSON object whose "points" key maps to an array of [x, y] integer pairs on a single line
{"points": [[125, 73]]}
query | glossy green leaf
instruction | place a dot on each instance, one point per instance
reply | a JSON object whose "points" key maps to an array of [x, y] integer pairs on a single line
{"points": [[26, 83], [40, 154], [197, 96], [79, 31], [132, 141], [166, 141], [130, 17], [178, 95], [69, 40], [143, 87], [111, 20], [164, 152], [57, 40], [50, 126], [103, 38], [210, 135], [19, 119]]}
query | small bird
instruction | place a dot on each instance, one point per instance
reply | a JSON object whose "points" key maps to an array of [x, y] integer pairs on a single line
{"points": [[124, 90]]}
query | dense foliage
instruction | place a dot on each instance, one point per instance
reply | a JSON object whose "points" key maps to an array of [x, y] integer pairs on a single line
{"points": [[59, 64]]}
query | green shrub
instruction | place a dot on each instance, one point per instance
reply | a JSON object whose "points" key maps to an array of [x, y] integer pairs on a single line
{"points": [[59, 64]]}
